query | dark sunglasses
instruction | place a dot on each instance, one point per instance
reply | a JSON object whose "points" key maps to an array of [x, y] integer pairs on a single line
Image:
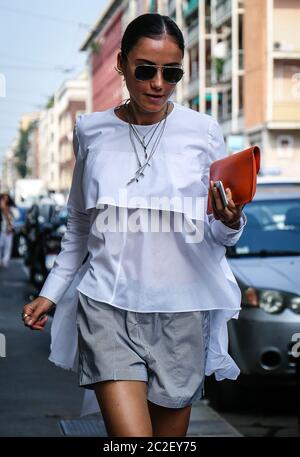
{"points": [[145, 72]]}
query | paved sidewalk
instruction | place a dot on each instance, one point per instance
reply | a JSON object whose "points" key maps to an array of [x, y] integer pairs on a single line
{"points": [[204, 422]]}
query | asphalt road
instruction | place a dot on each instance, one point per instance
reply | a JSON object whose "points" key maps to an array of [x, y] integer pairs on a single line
{"points": [[34, 393], [262, 410]]}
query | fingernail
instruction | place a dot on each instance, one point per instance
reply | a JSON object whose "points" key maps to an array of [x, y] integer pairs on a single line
{"points": [[30, 322]]}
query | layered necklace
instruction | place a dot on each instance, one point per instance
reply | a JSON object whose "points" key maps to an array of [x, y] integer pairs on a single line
{"points": [[133, 133]]}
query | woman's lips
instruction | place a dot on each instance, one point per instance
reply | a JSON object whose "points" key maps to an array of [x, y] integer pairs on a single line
{"points": [[155, 98]]}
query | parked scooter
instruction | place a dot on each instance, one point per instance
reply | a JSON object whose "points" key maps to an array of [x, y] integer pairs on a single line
{"points": [[44, 236]]}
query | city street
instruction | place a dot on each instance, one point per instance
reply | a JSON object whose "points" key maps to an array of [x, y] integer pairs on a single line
{"points": [[271, 413], [35, 395], [184, 112]]}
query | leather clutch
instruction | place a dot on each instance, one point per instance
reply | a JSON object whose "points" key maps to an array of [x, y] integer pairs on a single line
{"points": [[239, 172]]}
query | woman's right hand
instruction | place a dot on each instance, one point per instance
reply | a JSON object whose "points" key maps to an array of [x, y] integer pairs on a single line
{"points": [[34, 313]]}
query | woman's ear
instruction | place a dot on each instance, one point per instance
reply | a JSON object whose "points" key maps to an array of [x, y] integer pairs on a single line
{"points": [[119, 64]]}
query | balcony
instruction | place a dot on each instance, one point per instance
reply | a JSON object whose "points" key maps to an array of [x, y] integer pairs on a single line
{"points": [[286, 111], [223, 70], [227, 69], [190, 7], [208, 78], [191, 89], [222, 12], [207, 24], [192, 36], [286, 50]]}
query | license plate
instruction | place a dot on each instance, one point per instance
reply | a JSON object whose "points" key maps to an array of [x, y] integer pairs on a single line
{"points": [[50, 259]]}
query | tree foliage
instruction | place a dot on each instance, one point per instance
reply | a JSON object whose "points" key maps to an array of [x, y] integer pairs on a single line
{"points": [[22, 150]]}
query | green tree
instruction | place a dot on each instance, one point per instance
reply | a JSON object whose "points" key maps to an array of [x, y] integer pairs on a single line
{"points": [[50, 102], [22, 150]]}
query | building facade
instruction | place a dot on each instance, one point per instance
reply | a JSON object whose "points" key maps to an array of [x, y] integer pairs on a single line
{"points": [[242, 66], [48, 149], [272, 83], [70, 100]]}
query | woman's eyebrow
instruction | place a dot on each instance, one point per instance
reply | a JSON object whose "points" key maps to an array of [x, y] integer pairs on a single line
{"points": [[153, 63]]}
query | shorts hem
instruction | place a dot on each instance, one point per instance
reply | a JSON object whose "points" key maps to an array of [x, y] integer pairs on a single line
{"points": [[118, 375], [169, 403]]}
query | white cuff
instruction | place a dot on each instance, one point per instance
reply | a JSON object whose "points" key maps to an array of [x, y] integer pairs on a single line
{"points": [[225, 229], [226, 235], [54, 288]]}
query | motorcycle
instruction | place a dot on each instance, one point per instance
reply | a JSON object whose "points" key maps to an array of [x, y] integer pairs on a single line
{"points": [[43, 243]]}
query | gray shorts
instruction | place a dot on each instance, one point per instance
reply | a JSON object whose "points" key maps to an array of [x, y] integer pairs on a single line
{"points": [[166, 350]]}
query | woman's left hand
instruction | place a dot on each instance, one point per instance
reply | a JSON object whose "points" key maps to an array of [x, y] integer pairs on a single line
{"points": [[230, 215]]}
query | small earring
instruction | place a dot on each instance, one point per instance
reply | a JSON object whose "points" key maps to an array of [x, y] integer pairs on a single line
{"points": [[120, 72]]}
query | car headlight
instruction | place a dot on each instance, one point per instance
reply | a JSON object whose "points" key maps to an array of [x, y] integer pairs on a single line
{"points": [[270, 301], [294, 304]]}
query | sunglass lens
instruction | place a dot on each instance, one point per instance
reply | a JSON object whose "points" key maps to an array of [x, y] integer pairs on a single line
{"points": [[172, 75], [144, 73]]}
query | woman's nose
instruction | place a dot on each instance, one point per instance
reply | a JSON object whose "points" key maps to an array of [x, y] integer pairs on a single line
{"points": [[157, 80]]}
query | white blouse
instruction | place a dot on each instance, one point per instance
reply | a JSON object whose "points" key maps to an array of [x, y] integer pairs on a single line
{"points": [[152, 247]]}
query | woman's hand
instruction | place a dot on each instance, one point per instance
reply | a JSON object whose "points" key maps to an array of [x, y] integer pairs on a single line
{"points": [[34, 313], [230, 215]]}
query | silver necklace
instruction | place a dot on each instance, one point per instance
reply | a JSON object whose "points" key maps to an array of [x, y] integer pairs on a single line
{"points": [[140, 171], [141, 138]]}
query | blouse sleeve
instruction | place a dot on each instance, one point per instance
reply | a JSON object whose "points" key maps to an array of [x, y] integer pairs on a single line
{"points": [[216, 150], [74, 242]]}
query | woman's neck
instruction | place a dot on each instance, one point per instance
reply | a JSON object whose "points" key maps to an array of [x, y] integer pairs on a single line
{"points": [[130, 112]]}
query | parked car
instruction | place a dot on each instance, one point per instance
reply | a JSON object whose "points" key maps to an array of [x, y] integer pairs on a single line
{"points": [[266, 264]]}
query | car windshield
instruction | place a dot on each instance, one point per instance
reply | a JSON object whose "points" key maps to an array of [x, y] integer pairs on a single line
{"points": [[272, 229]]}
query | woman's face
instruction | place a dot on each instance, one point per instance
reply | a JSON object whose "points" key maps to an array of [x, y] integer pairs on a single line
{"points": [[164, 51]]}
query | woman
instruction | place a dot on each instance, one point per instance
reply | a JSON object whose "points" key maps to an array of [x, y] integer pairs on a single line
{"points": [[154, 302], [6, 237]]}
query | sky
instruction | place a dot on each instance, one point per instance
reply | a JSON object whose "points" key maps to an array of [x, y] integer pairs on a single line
{"points": [[39, 41]]}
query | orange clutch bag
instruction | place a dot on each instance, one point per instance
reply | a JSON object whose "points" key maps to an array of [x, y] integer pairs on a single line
{"points": [[239, 172]]}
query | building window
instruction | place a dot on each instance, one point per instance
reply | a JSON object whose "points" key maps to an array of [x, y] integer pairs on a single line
{"points": [[194, 62], [285, 146], [208, 100], [241, 94], [224, 105], [194, 103]]}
